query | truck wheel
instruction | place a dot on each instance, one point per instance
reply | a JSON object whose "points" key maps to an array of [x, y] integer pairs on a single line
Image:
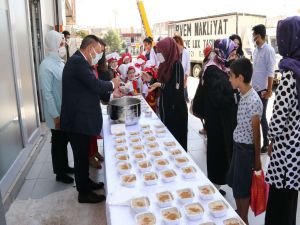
{"points": [[196, 70]]}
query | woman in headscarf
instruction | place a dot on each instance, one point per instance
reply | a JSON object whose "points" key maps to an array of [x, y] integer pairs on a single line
{"points": [[219, 110], [172, 106], [50, 74], [283, 173]]}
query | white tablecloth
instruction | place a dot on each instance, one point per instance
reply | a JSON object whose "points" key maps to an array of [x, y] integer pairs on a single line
{"points": [[117, 209]]}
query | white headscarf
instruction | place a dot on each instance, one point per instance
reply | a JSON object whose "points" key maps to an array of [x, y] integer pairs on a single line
{"points": [[123, 71], [53, 40]]}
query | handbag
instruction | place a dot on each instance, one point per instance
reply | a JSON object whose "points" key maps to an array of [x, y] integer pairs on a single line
{"points": [[198, 102], [259, 193]]}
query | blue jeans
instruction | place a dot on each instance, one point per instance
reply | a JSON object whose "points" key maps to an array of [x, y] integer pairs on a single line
{"points": [[263, 121]]}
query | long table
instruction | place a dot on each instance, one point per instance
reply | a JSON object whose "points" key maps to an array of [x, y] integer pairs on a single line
{"points": [[118, 210]]}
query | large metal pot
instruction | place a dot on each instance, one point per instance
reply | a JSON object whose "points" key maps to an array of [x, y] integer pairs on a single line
{"points": [[124, 110]]}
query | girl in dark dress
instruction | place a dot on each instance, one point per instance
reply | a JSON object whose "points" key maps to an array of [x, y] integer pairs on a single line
{"points": [[219, 107], [172, 106]]}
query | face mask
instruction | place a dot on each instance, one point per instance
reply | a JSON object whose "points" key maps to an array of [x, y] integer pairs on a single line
{"points": [[160, 57], [62, 52], [95, 60]]}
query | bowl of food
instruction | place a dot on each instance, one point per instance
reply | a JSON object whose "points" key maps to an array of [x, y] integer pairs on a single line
{"points": [[124, 167], [188, 172], [159, 126], [168, 175], [137, 147], [181, 161], [175, 152], [140, 204], [164, 199], [150, 138], [147, 132], [134, 133], [121, 157], [135, 140], [145, 166], [206, 192], [218, 208], [128, 180], [139, 156], [145, 126], [171, 216], [120, 140], [185, 195], [121, 148], [233, 221], [145, 218], [152, 146], [161, 164], [120, 134], [169, 144], [161, 132], [193, 211], [150, 178], [156, 154]]}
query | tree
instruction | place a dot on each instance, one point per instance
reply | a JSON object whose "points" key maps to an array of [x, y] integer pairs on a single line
{"points": [[82, 33], [113, 40], [124, 45]]}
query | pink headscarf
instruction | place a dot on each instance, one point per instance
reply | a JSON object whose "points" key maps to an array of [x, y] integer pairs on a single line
{"points": [[168, 48], [222, 50]]}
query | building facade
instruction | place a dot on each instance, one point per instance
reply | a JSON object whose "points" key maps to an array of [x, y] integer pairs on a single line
{"points": [[23, 24]]}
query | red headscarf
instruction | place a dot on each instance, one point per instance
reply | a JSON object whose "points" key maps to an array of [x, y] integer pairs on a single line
{"points": [[170, 51], [124, 55], [151, 71]]}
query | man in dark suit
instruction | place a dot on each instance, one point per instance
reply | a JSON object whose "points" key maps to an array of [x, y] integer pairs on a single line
{"points": [[81, 115]]}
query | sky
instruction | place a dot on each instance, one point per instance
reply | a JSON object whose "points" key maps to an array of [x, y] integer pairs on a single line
{"points": [[124, 13]]}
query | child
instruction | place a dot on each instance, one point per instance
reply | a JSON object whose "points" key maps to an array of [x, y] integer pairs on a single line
{"points": [[122, 69], [126, 58], [246, 136], [141, 62], [150, 97], [134, 83], [112, 60]]}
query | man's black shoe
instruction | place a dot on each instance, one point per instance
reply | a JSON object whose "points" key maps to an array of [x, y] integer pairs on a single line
{"points": [[90, 197], [70, 170], [264, 149], [95, 186], [64, 179]]}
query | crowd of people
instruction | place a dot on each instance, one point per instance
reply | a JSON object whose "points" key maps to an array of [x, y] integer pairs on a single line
{"points": [[231, 101]]}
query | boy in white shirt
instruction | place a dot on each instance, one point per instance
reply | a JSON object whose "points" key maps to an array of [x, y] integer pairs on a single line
{"points": [[246, 136]]}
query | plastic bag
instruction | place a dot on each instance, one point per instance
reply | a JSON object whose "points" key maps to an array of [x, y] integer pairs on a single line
{"points": [[259, 193]]}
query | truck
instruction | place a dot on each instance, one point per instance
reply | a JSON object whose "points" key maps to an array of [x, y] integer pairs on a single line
{"points": [[197, 33], [271, 39]]}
